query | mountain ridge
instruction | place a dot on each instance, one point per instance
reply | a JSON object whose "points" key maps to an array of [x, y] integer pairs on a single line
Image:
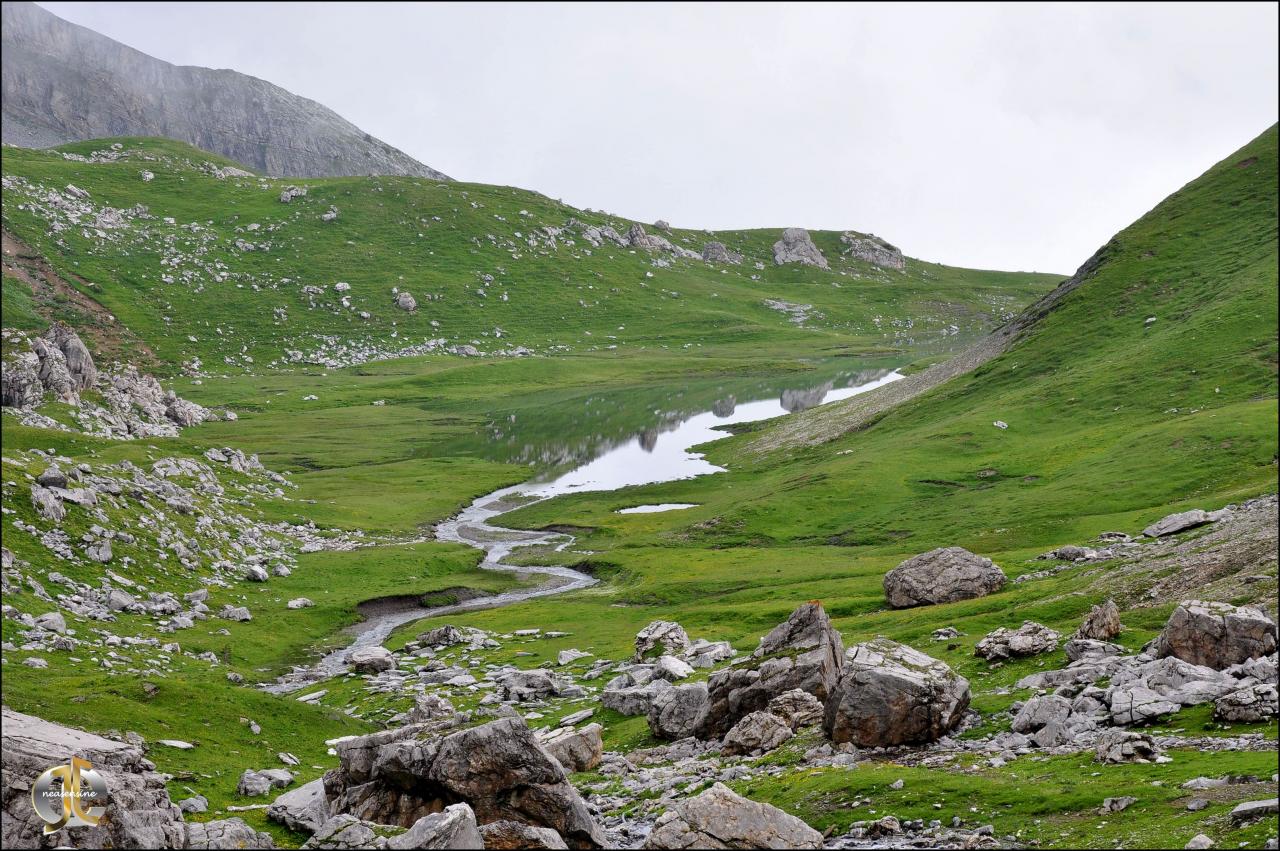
{"points": [[66, 83]]}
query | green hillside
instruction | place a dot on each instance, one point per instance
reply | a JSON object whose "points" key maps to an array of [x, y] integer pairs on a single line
{"points": [[478, 260], [1145, 385]]}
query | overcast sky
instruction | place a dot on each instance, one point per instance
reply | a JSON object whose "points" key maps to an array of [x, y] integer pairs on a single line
{"points": [[1009, 137]]}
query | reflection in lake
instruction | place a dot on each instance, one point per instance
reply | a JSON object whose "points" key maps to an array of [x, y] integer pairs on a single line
{"points": [[553, 438], [662, 453]]}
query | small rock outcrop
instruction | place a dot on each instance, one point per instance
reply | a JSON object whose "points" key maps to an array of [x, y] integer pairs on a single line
{"points": [[720, 818], [679, 712], [943, 575], [514, 835], [1179, 522], [1217, 635], [804, 652], [576, 750], [1102, 623], [405, 301], [304, 809], [667, 637], [1030, 639], [371, 660], [138, 813], [716, 252], [499, 769], [871, 249], [891, 694], [796, 246], [757, 733], [1119, 746]]}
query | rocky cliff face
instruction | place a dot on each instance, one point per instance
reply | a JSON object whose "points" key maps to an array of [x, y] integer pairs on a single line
{"points": [[64, 83]]}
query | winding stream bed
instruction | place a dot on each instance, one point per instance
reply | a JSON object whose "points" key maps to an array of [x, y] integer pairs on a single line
{"points": [[643, 460]]}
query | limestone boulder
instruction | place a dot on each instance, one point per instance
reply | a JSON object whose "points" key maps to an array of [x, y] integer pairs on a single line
{"points": [[1030, 639], [661, 638], [576, 750], [499, 769], [803, 652], [891, 694], [139, 813], [516, 836], [1102, 623], [371, 660], [720, 818], [944, 575], [1216, 634], [796, 246], [679, 712], [757, 733]]}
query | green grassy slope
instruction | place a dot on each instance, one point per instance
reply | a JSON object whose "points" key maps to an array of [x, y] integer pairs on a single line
{"points": [[463, 251], [1113, 421], [1153, 384]]}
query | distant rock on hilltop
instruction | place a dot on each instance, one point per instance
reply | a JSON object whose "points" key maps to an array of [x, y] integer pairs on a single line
{"points": [[65, 83]]}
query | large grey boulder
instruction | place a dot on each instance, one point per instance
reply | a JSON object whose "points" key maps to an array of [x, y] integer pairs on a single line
{"points": [[75, 354], [226, 833], [1102, 623], [1250, 705], [720, 818], [20, 385], [515, 836], [453, 827], [803, 652], [871, 249], [1216, 634], [796, 246], [1030, 639], [304, 809], [757, 733], [523, 686], [1139, 705], [891, 694], [1120, 746], [716, 252], [633, 700], [798, 708], [943, 575], [138, 813], [499, 769], [679, 712], [1041, 711], [576, 750], [1179, 522], [405, 301], [371, 660], [661, 638]]}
